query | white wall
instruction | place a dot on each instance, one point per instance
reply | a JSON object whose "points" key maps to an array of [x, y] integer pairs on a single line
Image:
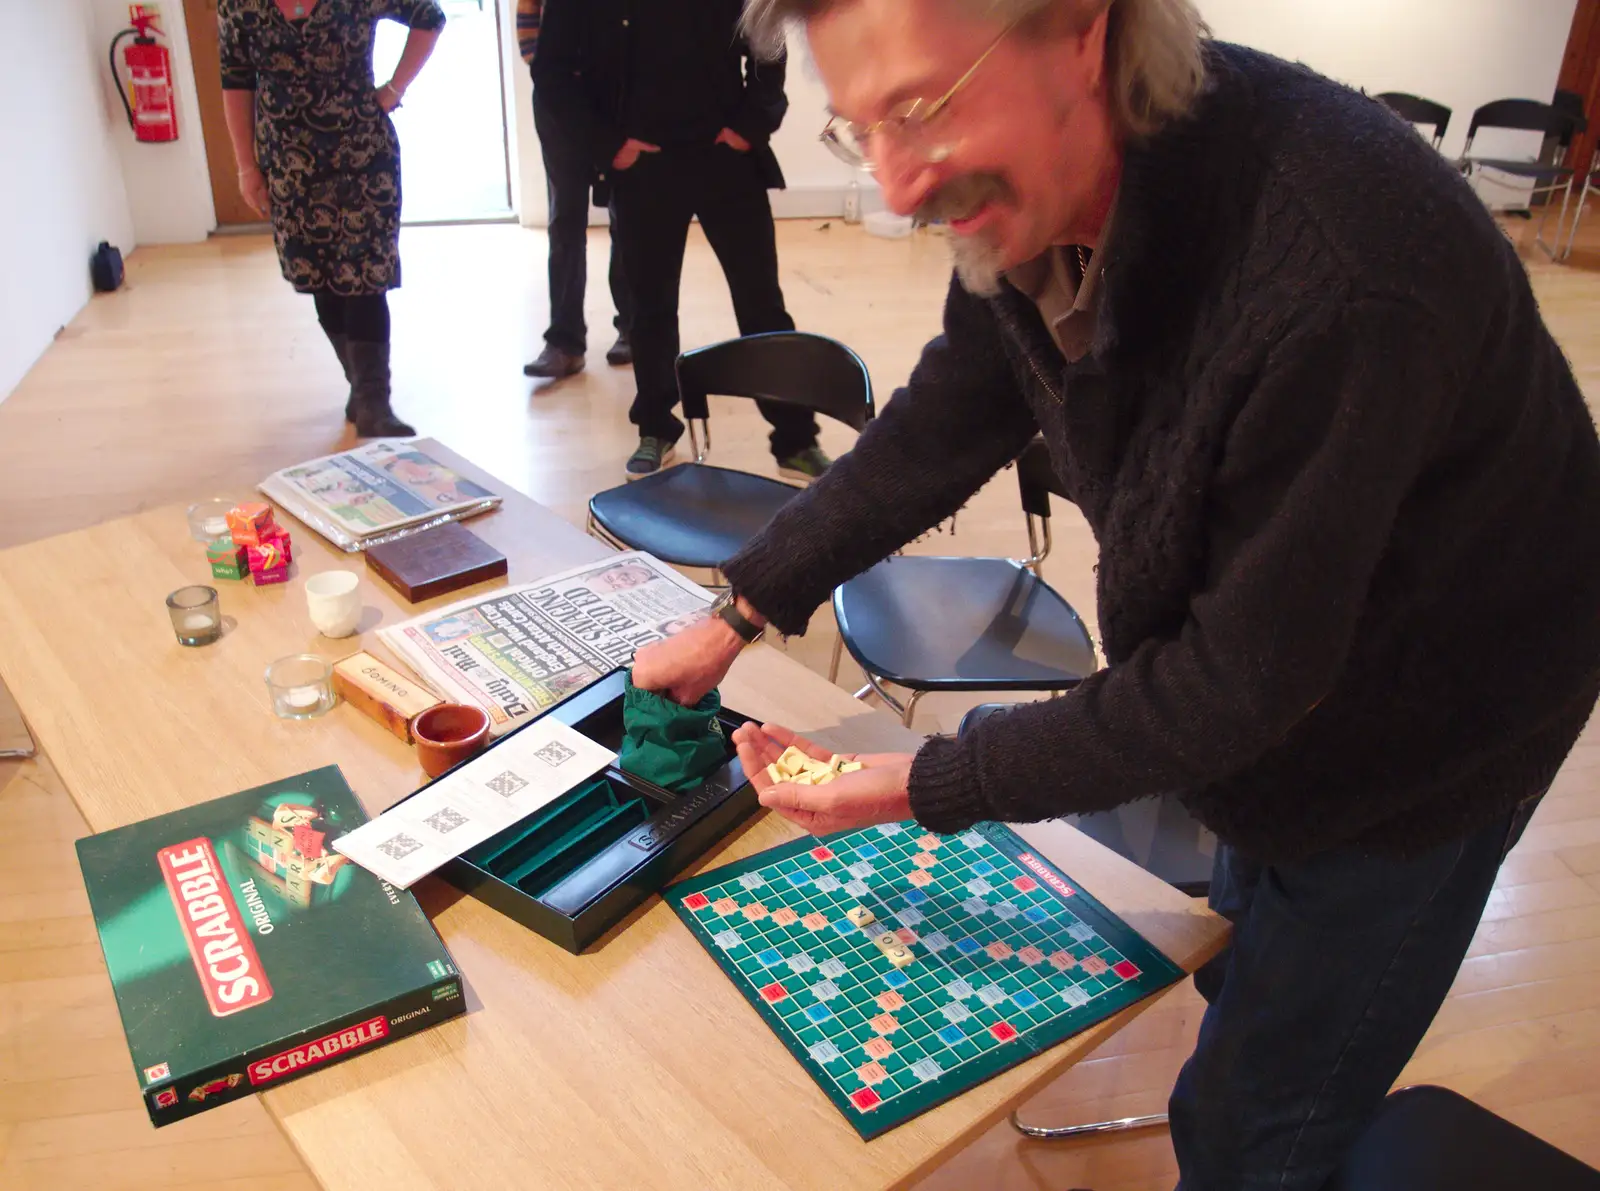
{"points": [[169, 189], [1461, 53], [61, 189]]}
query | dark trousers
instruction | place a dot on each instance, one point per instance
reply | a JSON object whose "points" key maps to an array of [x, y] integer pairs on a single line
{"points": [[1336, 968], [567, 177], [654, 201]]}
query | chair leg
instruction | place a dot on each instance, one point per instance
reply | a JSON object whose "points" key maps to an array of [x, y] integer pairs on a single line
{"points": [[1577, 217], [911, 707], [838, 656], [1552, 249], [875, 686], [1063, 1132]]}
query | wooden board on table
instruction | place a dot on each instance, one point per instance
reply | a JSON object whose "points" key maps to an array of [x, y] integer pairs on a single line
{"points": [[436, 561]]}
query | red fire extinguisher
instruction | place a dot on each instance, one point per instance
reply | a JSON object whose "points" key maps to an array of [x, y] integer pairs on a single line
{"points": [[153, 114]]}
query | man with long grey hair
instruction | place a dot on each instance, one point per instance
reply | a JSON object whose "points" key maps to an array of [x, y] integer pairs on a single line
{"points": [[1345, 489]]}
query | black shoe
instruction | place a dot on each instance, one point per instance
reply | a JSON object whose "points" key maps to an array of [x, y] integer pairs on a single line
{"points": [[620, 352], [554, 364], [370, 409]]}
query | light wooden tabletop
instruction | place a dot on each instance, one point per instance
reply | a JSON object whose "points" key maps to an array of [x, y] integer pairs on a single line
{"points": [[636, 1064]]}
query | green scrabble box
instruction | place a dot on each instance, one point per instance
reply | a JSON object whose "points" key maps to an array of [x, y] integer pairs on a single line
{"points": [[245, 952]]}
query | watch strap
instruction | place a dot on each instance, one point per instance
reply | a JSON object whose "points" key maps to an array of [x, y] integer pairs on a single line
{"points": [[728, 609]]}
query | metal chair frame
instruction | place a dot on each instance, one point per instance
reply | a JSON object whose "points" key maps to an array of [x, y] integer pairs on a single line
{"points": [[1529, 115], [1039, 544]]}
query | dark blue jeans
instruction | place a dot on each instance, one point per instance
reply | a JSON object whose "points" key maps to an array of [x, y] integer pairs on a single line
{"points": [[1336, 967]]}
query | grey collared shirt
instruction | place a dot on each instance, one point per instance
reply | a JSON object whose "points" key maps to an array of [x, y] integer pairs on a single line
{"points": [[1068, 301]]}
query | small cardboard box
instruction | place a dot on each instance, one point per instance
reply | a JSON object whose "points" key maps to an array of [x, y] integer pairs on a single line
{"points": [[382, 692], [244, 952], [228, 559], [247, 522]]}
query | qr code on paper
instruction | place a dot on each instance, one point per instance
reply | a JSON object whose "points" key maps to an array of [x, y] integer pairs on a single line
{"points": [[555, 753], [506, 784], [399, 847], [445, 820]]}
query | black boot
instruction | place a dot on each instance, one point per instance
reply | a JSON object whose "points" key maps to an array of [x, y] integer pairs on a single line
{"points": [[369, 369], [341, 348]]}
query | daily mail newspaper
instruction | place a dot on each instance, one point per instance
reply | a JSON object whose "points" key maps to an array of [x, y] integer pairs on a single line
{"points": [[521, 649]]}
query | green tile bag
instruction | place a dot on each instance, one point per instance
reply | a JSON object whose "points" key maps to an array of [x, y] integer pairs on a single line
{"points": [[669, 744]]}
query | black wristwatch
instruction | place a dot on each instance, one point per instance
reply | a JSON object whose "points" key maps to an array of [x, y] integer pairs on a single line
{"points": [[728, 611]]}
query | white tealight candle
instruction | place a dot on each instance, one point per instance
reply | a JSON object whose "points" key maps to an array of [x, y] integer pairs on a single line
{"points": [[215, 526], [302, 696], [197, 620]]}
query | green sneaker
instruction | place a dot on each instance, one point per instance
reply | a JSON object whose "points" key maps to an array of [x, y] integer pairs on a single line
{"points": [[652, 455], [806, 465]]}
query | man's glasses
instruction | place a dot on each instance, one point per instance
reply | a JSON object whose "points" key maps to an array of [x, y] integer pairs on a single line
{"points": [[907, 123]]}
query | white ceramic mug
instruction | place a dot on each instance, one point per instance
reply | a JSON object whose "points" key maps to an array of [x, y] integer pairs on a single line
{"points": [[334, 600]]}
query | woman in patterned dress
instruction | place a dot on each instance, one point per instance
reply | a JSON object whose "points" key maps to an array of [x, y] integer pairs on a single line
{"points": [[318, 153]]}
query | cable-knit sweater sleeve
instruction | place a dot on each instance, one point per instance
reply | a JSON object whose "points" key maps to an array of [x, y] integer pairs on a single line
{"points": [[1325, 448], [958, 421]]}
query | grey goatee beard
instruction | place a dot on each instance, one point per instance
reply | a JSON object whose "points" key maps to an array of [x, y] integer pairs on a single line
{"points": [[977, 260]]}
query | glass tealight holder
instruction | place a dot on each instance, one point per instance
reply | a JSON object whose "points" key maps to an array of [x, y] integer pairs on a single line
{"points": [[208, 519], [196, 615], [301, 686]]}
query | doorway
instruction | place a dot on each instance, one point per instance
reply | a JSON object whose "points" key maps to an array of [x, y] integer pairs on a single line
{"points": [[456, 164], [454, 142]]}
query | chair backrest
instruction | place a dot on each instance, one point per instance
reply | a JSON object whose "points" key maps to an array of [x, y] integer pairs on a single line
{"points": [[1036, 478], [1527, 115], [1415, 110], [794, 367]]}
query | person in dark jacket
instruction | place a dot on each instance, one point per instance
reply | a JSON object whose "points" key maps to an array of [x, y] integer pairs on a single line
{"points": [[677, 115], [1345, 489], [568, 181]]}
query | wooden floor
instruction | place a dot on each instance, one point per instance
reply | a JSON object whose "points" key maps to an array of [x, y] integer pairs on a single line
{"points": [[206, 368]]}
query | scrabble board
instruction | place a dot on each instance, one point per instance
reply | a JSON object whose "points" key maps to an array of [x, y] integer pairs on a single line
{"points": [[1008, 957]]}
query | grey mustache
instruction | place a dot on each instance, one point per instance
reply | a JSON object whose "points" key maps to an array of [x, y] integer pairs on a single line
{"points": [[961, 197]]}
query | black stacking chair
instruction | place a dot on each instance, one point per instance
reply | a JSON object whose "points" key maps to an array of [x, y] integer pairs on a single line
{"points": [[1428, 1138], [966, 624], [1559, 124], [696, 515], [1415, 110]]}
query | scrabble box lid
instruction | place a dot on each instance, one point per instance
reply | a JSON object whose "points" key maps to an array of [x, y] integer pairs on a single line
{"points": [[244, 951]]}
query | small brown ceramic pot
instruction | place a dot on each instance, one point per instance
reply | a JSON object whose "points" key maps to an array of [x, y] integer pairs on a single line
{"points": [[448, 734]]}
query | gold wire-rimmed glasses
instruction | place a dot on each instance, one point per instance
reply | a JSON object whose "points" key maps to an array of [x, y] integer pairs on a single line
{"points": [[908, 122]]}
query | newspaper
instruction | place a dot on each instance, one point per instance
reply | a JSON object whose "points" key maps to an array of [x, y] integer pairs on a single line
{"points": [[521, 649], [465, 807], [375, 493]]}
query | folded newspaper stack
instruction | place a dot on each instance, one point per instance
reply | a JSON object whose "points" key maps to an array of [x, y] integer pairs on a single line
{"points": [[518, 650], [376, 493]]}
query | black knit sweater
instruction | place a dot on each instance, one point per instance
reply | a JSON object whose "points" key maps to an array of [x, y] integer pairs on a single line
{"points": [[1345, 489]]}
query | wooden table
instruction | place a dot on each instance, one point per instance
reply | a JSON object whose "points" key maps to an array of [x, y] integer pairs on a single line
{"points": [[634, 1065]]}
